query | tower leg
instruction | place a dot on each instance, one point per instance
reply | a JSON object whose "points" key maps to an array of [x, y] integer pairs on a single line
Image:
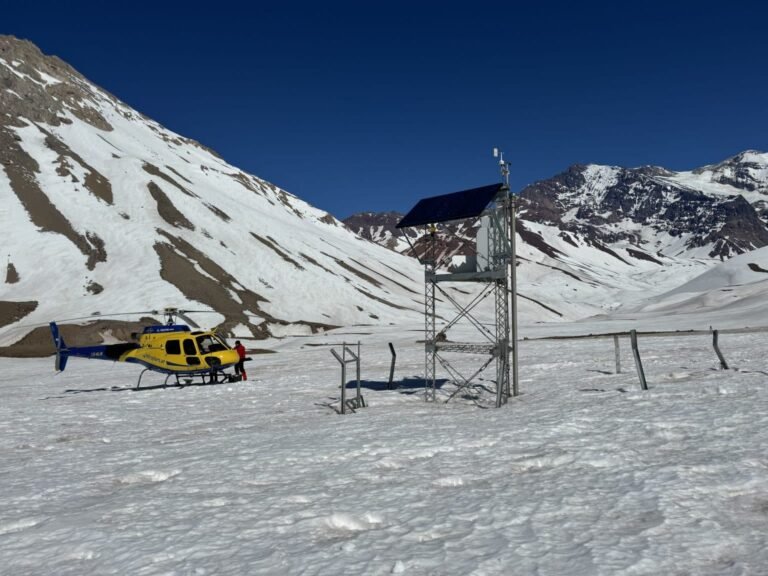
{"points": [[429, 337]]}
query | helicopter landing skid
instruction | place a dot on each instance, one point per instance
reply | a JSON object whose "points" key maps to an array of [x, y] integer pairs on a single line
{"points": [[165, 382], [214, 377], [138, 383]]}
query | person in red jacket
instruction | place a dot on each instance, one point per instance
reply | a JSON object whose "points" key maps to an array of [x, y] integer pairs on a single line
{"points": [[240, 366]]}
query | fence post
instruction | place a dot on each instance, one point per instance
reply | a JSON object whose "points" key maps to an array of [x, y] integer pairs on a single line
{"points": [[391, 366], [343, 377], [359, 395], [723, 363], [343, 361], [638, 362], [616, 351]]}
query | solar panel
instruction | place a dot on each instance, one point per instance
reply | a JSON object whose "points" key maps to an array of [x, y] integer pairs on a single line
{"points": [[447, 207]]}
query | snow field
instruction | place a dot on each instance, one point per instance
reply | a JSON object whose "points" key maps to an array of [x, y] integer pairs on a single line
{"points": [[583, 473]]}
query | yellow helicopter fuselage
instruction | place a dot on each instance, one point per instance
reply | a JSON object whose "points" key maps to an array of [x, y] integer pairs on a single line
{"points": [[181, 351]]}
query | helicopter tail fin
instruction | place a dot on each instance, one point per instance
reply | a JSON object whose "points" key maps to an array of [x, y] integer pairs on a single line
{"points": [[62, 352]]}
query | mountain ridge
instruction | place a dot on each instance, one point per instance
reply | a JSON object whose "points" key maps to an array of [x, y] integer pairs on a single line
{"points": [[595, 240], [121, 214], [608, 203]]}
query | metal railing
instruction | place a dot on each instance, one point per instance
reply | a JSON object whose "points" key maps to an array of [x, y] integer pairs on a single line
{"points": [[633, 335], [347, 356]]}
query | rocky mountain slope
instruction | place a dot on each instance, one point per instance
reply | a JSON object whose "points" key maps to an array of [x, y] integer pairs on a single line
{"points": [[595, 239], [712, 212], [104, 211]]}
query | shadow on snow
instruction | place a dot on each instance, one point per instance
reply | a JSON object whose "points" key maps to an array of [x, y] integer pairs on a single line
{"points": [[144, 388], [405, 386]]}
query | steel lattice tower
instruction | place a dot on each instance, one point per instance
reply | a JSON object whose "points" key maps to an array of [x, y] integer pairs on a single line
{"points": [[493, 272], [495, 207]]}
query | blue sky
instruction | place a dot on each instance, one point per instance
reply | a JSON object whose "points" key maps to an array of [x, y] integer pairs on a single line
{"points": [[358, 106]]}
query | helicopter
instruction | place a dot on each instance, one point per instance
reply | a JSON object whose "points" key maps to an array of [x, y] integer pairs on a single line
{"points": [[171, 349]]}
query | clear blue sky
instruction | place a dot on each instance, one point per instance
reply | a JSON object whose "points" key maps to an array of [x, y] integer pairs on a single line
{"points": [[363, 105]]}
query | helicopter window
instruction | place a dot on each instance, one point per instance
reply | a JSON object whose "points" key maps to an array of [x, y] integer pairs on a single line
{"points": [[189, 347], [205, 343], [218, 344], [172, 347]]}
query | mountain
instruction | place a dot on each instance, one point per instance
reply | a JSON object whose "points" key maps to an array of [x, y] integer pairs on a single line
{"points": [[596, 239], [103, 211], [715, 212], [745, 172], [456, 238], [711, 212], [378, 227]]}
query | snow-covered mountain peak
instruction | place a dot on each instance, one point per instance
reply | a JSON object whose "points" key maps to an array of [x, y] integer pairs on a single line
{"points": [[746, 172], [597, 181]]}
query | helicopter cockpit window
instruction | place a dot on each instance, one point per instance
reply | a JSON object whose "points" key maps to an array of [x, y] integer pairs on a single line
{"points": [[204, 343], [172, 347], [218, 344], [189, 347]]}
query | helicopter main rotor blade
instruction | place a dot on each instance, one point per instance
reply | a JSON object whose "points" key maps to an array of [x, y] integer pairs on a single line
{"points": [[168, 311], [187, 319], [98, 315]]}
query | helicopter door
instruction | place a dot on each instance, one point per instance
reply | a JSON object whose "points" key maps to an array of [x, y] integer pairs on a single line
{"points": [[191, 351]]}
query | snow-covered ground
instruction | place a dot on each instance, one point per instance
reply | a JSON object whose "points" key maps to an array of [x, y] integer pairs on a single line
{"points": [[583, 473]]}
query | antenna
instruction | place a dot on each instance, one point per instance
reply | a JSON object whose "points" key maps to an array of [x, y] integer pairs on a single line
{"points": [[503, 165]]}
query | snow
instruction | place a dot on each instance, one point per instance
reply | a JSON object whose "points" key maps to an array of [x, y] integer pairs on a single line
{"points": [[598, 180], [47, 78], [703, 182], [583, 473], [756, 167], [12, 68], [733, 272]]}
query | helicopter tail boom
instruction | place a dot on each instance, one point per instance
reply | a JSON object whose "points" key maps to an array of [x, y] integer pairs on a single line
{"points": [[112, 352]]}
